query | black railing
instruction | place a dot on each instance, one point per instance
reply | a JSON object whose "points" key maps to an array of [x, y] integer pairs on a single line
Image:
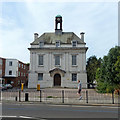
{"points": [[60, 96]]}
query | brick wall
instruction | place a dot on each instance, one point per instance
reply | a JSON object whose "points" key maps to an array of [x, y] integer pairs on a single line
{"points": [[22, 73], [2, 67]]}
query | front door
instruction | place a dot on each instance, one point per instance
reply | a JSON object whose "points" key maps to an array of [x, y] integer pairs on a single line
{"points": [[57, 80]]}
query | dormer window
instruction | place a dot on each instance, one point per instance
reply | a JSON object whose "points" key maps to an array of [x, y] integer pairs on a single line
{"points": [[57, 43], [41, 44], [74, 43]]}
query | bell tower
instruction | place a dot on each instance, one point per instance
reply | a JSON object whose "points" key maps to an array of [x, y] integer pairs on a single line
{"points": [[58, 24]]}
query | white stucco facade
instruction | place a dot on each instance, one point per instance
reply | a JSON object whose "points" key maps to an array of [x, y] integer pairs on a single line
{"points": [[65, 69], [11, 70]]}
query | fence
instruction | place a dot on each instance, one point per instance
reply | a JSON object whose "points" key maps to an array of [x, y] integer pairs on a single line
{"points": [[60, 96]]}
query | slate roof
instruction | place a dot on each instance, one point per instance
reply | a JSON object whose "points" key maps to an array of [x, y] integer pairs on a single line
{"points": [[64, 38]]}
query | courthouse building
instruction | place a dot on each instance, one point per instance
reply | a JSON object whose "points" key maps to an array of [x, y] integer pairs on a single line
{"points": [[57, 59]]}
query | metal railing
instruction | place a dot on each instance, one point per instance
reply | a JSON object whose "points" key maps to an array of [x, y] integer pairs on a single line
{"points": [[68, 96]]}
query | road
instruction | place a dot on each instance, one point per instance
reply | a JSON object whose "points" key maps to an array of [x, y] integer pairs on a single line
{"points": [[45, 111]]}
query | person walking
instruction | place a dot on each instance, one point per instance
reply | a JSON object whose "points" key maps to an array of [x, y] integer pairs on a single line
{"points": [[79, 89]]}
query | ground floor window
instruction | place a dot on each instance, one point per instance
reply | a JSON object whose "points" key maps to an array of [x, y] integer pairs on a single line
{"points": [[74, 77], [40, 76], [10, 72]]}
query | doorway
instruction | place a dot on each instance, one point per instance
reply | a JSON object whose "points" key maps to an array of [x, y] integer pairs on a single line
{"points": [[57, 80]]}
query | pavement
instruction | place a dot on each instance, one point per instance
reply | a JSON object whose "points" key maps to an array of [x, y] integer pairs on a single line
{"points": [[66, 104], [53, 96]]}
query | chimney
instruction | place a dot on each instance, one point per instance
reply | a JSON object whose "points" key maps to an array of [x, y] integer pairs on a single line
{"points": [[35, 36], [82, 36]]}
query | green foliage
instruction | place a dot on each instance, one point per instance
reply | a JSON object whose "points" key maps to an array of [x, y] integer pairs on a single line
{"points": [[92, 64], [49, 96], [117, 69], [108, 75]]}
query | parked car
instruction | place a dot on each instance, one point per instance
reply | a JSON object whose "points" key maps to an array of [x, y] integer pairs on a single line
{"points": [[8, 86], [3, 87]]}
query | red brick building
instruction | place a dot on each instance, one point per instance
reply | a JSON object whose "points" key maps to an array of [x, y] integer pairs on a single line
{"points": [[23, 73], [14, 72], [2, 68]]}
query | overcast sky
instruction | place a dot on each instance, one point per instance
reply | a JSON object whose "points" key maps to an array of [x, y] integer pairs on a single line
{"points": [[20, 20]]}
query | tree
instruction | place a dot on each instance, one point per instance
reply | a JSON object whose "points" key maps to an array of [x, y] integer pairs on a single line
{"points": [[108, 76], [92, 64], [117, 69]]}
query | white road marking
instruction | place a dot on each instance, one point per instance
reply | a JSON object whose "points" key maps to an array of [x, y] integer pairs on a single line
{"points": [[24, 117], [9, 116], [16, 117]]}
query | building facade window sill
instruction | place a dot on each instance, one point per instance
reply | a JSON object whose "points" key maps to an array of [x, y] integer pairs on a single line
{"points": [[74, 65], [57, 65], [40, 65]]}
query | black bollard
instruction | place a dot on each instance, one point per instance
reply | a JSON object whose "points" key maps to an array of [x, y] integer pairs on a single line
{"points": [[26, 96], [112, 96], [16, 98], [86, 96], [62, 96], [40, 96]]}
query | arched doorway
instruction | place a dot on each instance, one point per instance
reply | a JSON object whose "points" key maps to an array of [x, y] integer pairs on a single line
{"points": [[57, 80]]}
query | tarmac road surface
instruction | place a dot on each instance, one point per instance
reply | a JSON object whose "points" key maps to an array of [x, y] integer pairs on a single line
{"points": [[46, 111]]}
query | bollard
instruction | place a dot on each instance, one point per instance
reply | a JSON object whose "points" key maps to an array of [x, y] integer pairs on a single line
{"points": [[22, 86], [86, 96], [26, 96], [16, 98], [62, 96], [40, 96], [19, 96], [112, 96], [38, 87]]}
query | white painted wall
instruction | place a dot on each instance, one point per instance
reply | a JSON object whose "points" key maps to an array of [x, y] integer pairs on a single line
{"points": [[14, 68], [49, 64]]}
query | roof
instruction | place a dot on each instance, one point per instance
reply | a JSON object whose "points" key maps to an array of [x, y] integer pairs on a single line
{"points": [[64, 38], [58, 16]]}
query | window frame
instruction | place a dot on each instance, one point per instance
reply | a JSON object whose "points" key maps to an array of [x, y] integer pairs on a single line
{"points": [[10, 63], [41, 44], [74, 41], [58, 43], [74, 77], [22, 66], [74, 60], [57, 60], [40, 75], [39, 61], [19, 73], [19, 65], [10, 72]]}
